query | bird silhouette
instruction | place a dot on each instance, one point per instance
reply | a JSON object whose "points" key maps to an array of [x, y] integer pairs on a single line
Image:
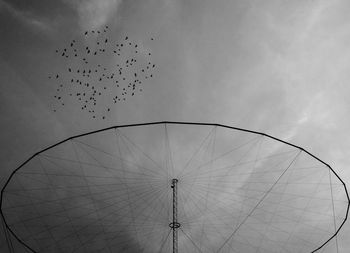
{"points": [[113, 82]]}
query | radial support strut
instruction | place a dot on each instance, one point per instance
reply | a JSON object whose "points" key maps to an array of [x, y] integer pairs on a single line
{"points": [[174, 225]]}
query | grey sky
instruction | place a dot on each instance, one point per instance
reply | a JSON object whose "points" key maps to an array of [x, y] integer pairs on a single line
{"points": [[279, 67]]}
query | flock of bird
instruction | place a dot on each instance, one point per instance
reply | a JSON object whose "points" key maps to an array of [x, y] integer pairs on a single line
{"points": [[100, 74]]}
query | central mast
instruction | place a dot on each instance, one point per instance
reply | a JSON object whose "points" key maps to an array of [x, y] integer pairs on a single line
{"points": [[174, 225]]}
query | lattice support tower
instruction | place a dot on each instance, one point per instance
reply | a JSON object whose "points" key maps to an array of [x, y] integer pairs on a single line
{"points": [[175, 225]]}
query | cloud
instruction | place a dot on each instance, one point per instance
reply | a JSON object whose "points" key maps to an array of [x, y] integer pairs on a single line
{"points": [[26, 17], [94, 14]]}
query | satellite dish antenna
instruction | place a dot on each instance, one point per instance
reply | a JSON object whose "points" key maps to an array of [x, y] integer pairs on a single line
{"points": [[174, 187]]}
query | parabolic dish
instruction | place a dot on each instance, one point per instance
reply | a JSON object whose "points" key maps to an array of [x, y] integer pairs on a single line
{"points": [[237, 191]]}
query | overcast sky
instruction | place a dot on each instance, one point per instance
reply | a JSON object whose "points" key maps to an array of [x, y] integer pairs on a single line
{"points": [[279, 67]]}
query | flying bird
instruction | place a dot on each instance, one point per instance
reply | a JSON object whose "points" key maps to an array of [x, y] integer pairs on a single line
{"points": [[114, 83]]}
